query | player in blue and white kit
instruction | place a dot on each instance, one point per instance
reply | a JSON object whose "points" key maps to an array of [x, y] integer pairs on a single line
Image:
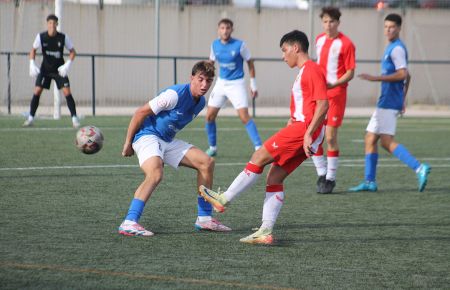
{"points": [[394, 80], [151, 135], [230, 53]]}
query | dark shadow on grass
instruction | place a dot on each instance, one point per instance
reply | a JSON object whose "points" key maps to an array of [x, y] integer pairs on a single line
{"points": [[193, 231]]}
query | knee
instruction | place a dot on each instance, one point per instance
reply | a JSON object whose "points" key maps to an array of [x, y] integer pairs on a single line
{"points": [[38, 91], [67, 92], [207, 165], [245, 118], [386, 144], [331, 140], [370, 140], [210, 118], [154, 178], [211, 114]]}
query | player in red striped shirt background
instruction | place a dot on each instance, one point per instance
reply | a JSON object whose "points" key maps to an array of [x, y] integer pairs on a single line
{"points": [[336, 56]]}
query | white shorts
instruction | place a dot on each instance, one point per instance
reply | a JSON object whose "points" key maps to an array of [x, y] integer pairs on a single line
{"points": [[383, 121], [234, 90], [170, 152]]}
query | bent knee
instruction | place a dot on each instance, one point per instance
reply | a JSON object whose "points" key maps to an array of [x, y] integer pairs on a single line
{"points": [[154, 178], [208, 164], [210, 118]]}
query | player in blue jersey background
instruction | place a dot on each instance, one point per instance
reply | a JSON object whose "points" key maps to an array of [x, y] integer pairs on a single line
{"points": [[151, 135], [394, 80], [230, 53]]}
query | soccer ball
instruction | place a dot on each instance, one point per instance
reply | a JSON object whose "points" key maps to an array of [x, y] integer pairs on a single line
{"points": [[89, 139]]}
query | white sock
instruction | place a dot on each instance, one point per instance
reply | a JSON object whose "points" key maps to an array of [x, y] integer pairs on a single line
{"points": [[204, 218], [30, 118], [128, 223], [214, 148], [321, 164], [272, 205], [243, 181], [332, 167]]}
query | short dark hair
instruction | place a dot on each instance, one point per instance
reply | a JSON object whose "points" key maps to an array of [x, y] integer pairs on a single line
{"points": [[225, 21], [296, 36], [205, 67], [331, 11], [52, 17], [394, 18]]}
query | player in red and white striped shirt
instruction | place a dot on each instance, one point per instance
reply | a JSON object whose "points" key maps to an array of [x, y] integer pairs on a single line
{"points": [[290, 146], [336, 56]]}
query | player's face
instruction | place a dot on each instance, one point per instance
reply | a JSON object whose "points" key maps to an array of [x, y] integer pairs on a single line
{"points": [[391, 30], [225, 31], [200, 84], [330, 25], [51, 27], [290, 54]]}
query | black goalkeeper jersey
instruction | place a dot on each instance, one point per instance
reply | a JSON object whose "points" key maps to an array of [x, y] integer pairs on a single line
{"points": [[52, 52]]}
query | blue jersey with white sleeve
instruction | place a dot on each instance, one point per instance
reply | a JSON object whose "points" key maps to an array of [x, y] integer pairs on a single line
{"points": [[230, 56], [174, 108], [392, 93]]}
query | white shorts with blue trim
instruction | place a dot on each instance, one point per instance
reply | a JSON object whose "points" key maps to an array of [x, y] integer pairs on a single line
{"points": [[383, 121], [170, 152], [234, 90]]}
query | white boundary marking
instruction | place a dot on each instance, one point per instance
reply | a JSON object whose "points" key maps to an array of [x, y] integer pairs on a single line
{"points": [[221, 129], [347, 163]]}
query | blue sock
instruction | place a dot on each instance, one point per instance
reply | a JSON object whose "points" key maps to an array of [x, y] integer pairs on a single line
{"points": [[204, 207], [253, 133], [211, 132], [404, 156], [135, 210], [371, 166]]}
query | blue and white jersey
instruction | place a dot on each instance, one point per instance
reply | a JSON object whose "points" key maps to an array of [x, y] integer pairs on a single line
{"points": [[174, 108], [230, 56], [395, 57]]}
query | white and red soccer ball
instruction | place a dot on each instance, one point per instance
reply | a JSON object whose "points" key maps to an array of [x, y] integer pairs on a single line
{"points": [[89, 139]]}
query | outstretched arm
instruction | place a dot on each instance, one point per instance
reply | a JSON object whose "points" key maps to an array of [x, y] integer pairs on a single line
{"points": [[399, 75]]}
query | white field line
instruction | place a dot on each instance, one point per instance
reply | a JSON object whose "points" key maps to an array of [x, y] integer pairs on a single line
{"points": [[343, 163], [220, 129]]}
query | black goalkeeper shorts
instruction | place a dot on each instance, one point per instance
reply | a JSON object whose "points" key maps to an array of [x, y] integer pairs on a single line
{"points": [[44, 80]]}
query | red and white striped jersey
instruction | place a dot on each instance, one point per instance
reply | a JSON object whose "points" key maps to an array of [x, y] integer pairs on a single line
{"points": [[335, 56], [309, 86]]}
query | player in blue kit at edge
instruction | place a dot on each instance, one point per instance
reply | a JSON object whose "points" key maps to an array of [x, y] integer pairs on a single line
{"points": [[151, 135], [394, 86], [230, 53]]}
